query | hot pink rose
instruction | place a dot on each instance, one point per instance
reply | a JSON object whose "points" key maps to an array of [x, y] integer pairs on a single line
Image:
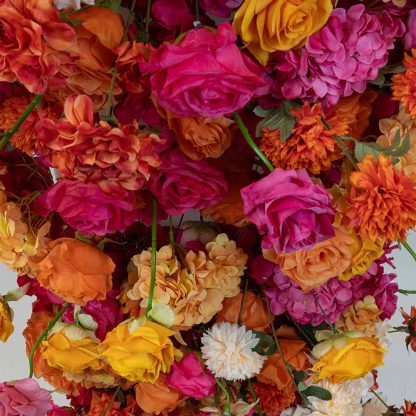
{"points": [[205, 75], [410, 36], [23, 398], [86, 208], [220, 8], [182, 184], [289, 210], [189, 378]]}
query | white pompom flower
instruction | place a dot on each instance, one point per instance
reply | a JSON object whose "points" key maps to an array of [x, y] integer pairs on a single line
{"points": [[228, 352]]}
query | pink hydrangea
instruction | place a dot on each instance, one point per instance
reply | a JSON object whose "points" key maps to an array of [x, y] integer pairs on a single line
{"points": [[75, 201], [220, 8], [182, 184], [24, 397], [205, 74], [289, 210], [188, 377], [339, 59]]}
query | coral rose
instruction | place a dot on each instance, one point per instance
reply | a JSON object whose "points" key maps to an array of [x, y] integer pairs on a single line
{"points": [[353, 360], [182, 184], [158, 397], [6, 317], [254, 314], [312, 268], [272, 25], [289, 210], [74, 201], [139, 353], [188, 377], [75, 271], [205, 74]]}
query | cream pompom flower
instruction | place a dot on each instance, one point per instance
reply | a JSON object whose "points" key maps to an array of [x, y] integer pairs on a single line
{"points": [[228, 352]]}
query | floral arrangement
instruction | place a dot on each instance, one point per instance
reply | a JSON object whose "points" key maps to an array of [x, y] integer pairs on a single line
{"points": [[202, 197]]}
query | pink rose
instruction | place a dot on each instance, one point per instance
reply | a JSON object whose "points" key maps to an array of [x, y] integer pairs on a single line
{"points": [[289, 210], [220, 8], [188, 377], [182, 184], [23, 398], [86, 208], [205, 74], [410, 36]]}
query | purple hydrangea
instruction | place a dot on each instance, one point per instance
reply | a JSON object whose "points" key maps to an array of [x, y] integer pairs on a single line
{"points": [[339, 59]]}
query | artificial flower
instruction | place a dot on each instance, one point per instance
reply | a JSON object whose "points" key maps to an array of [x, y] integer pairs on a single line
{"points": [[289, 210], [220, 8], [311, 144], [253, 309], [409, 408], [278, 25], [382, 200], [403, 86], [6, 318], [231, 78], [75, 271], [72, 4], [374, 407], [353, 359], [188, 377], [228, 352], [410, 321], [24, 397], [100, 402], [139, 352]]}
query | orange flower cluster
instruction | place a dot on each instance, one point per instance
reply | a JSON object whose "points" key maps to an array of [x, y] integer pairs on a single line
{"points": [[382, 201], [100, 402]]}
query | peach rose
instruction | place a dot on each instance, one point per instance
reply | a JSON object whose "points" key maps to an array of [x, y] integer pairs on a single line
{"points": [[254, 316], [158, 397], [312, 268], [75, 271], [267, 26]]}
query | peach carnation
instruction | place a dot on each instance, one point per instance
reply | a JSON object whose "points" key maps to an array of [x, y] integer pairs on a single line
{"points": [[382, 201], [404, 84]]}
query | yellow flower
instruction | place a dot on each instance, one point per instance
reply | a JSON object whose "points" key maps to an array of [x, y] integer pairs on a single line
{"points": [[139, 353], [6, 317], [72, 349], [271, 25], [349, 359]]}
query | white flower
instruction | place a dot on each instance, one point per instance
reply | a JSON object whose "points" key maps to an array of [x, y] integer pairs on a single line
{"points": [[375, 407], [72, 4], [298, 411], [228, 352], [382, 333]]}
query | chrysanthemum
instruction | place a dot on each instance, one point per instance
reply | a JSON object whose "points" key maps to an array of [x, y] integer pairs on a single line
{"points": [[310, 145], [409, 408], [382, 202], [228, 352], [404, 84]]}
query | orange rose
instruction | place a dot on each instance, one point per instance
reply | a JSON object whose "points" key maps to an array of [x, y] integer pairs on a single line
{"points": [[75, 271], [158, 397], [312, 268], [254, 316]]}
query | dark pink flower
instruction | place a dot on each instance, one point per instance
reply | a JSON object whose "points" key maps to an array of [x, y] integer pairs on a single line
{"points": [[410, 36], [86, 208], [23, 398], [220, 8], [182, 184], [189, 378], [205, 75], [289, 210], [61, 411]]}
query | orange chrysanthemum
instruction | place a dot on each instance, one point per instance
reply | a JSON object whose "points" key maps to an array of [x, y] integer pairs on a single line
{"points": [[409, 408], [100, 402], [311, 144], [272, 400], [382, 201], [410, 322], [404, 84]]}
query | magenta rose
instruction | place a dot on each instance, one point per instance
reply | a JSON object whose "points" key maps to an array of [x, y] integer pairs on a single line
{"points": [[188, 377], [204, 75], [86, 208], [220, 8], [182, 184], [24, 397], [289, 210]]}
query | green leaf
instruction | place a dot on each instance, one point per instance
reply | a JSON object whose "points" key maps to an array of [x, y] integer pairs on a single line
{"points": [[82, 237], [319, 392], [363, 149], [266, 345], [302, 387], [299, 376]]}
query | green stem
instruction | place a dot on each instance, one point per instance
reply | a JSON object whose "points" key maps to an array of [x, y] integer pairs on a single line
{"points": [[340, 143], [300, 329], [8, 135], [111, 401], [154, 252], [407, 292], [171, 235], [178, 228], [251, 142], [323, 313], [253, 394], [147, 23], [408, 248], [380, 398], [43, 335], [197, 21], [227, 408]]}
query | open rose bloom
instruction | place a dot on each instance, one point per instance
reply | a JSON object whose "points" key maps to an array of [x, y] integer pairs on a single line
{"points": [[203, 200]]}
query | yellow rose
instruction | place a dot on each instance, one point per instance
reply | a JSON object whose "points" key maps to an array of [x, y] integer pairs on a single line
{"points": [[278, 25], [364, 252], [71, 349], [139, 353], [353, 359], [6, 326]]}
